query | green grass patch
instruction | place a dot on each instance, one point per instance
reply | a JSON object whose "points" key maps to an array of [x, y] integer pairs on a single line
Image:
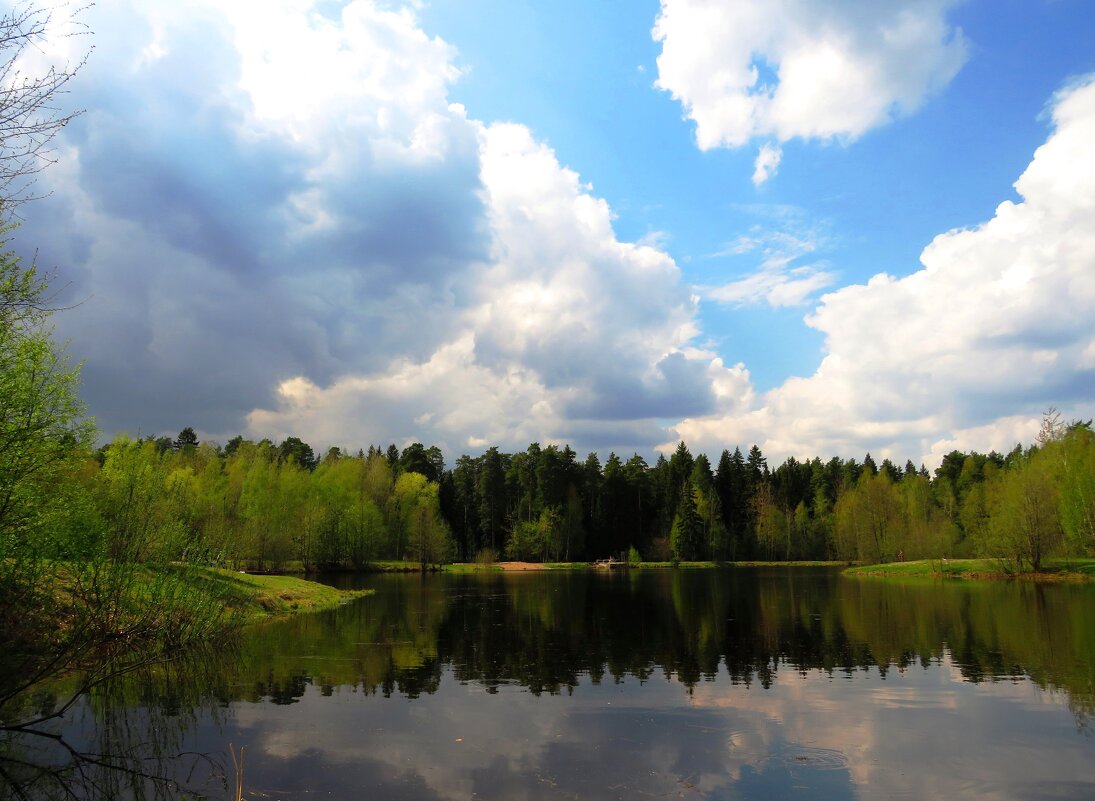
{"points": [[252, 597], [930, 568], [690, 565], [471, 567], [795, 563], [1074, 567], [397, 566], [1052, 570]]}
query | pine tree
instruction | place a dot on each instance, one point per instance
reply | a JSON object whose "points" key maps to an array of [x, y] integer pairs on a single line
{"points": [[186, 439], [686, 537]]}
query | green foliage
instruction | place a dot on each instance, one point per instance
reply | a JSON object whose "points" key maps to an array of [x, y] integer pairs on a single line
{"points": [[296, 450], [539, 540], [771, 530], [1074, 457], [869, 521], [486, 557], [686, 536], [1024, 525], [249, 506], [254, 508], [42, 444], [798, 511], [186, 439]]}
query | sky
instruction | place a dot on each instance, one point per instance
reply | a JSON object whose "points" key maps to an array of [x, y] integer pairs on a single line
{"points": [[825, 227]]}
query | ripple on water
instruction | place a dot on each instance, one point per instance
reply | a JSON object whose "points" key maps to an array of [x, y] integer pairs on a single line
{"points": [[807, 757]]}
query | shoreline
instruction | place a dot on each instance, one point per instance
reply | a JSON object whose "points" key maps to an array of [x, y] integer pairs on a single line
{"points": [[257, 597], [1055, 570], [1077, 571], [515, 566]]}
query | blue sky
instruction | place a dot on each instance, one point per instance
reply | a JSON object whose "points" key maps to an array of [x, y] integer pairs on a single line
{"points": [[873, 204], [484, 222]]}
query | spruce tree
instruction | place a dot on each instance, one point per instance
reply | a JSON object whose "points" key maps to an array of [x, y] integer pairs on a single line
{"points": [[686, 538]]}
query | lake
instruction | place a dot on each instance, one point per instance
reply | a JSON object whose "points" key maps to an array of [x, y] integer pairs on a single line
{"points": [[695, 684]]}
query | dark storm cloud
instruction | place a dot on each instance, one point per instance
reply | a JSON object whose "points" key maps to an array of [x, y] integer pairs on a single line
{"points": [[410, 224], [176, 225]]}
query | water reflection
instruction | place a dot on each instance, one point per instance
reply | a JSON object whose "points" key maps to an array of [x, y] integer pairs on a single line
{"points": [[548, 632], [709, 684], [123, 738]]}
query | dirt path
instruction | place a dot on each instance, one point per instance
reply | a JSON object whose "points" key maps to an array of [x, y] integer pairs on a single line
{"points": [[515, 566]]}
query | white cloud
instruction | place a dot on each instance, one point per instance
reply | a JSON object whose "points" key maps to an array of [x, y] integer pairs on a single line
{"points": [[996, 323], [257, 191], [766, 164], [778, 288], [276, 216], [564, 324], [780, 280], [814, 69], [1000, 435], [245, 251], [461, 403], [1087, 358]]}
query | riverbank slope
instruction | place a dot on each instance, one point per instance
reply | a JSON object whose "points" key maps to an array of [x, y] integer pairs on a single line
{"points": [[253, 597]]}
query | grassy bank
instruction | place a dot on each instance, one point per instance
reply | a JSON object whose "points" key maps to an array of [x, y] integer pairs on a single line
{"points": [[297, 568], [66, 616], [472, 567], [145, 600], [1052, 570], [404, 566], [250, 597], [801, 563]]}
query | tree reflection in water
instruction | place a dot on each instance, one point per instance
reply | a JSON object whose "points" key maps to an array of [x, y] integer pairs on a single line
{"points": [[162, 732], [117, 735]]}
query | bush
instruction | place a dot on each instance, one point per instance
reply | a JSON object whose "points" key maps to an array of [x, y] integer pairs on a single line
{"points": [[486, 557]]}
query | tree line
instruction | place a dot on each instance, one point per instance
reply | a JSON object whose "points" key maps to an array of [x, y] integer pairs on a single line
{"points": [[263, 505], [544, 504]]}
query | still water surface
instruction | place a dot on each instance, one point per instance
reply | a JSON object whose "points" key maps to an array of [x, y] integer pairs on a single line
{"points": [[727, 684]]}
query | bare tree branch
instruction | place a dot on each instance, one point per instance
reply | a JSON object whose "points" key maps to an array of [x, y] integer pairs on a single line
{"points": [[31, 109]]}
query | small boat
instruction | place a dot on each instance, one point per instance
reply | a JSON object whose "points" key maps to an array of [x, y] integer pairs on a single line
{"points": [[611, 563]]}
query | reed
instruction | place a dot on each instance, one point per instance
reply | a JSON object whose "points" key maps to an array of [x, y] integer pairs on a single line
{"points": [[237, 765]]}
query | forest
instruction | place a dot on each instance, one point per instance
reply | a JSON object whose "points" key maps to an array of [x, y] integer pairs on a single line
{"points": [[268, 506], [265, 506]]}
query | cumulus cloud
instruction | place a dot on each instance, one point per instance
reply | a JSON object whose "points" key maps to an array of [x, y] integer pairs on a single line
{"points": [[997, 322], [224, 227], [812, 69], [275, 218], [567, 330]]}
